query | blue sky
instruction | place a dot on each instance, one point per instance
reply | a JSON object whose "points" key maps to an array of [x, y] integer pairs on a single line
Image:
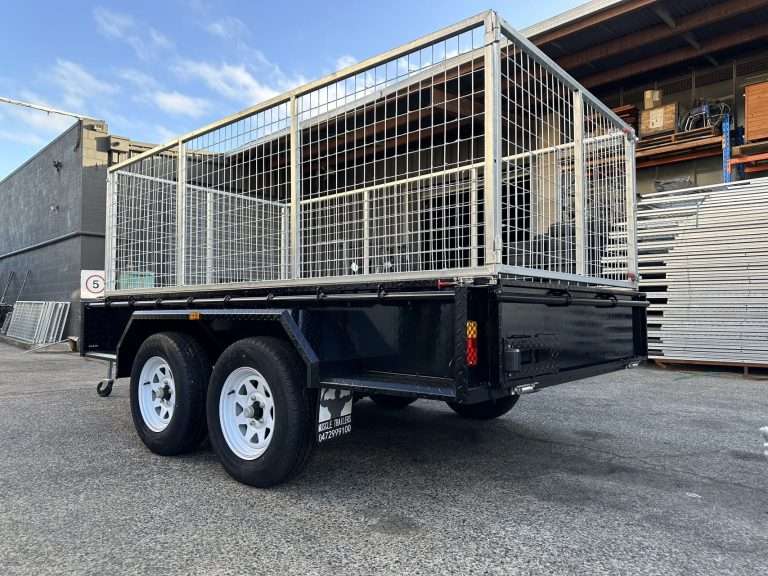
{"points": [[154, 70]]}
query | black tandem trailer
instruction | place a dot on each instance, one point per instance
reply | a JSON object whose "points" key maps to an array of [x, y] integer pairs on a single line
{"points": [[477, 346]]}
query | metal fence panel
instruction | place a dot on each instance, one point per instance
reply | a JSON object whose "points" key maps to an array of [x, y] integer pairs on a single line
{"points": [[38, 322]]}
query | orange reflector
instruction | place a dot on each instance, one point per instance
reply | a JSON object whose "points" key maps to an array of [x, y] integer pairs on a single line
{"points": [[194, 315], [471, 343]]}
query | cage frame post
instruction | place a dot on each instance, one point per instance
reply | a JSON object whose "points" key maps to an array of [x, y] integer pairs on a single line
{"points": [[209, 260], [295, 233], [109, 244], [492, 120], [631, 207], [473, 218], [181, 213], [579, 184]]}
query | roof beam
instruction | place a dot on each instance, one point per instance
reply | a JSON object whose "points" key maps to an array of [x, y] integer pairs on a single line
{"points": [[589, 21], [676, 56], [654, 34]]}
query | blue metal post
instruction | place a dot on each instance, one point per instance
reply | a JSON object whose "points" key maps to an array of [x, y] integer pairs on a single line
{"points": [[726, 148]]}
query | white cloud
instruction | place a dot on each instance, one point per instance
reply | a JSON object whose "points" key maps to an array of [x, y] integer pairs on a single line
{"points": [[160, 39], [228, 28], [113, 24], [78, 84], [138, 78], [124, 28], [181, 104], [231, 81], [345, 61], [23, 137], [164, 134], [171, 101]]}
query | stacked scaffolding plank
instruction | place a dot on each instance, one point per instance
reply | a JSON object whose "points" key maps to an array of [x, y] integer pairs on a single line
{"points": [[703, 260]]}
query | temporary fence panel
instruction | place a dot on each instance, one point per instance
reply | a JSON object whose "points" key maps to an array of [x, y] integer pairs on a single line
{"points": [[703, 255], [464, 153], [38, 322]]}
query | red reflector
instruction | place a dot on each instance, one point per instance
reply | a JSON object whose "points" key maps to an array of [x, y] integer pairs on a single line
{"points": [[471, 343], [471, 352]]}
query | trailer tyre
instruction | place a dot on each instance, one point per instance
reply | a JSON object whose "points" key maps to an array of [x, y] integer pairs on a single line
{"points": [[168, 380], [392, 402], [260, 412], [485, 410]]}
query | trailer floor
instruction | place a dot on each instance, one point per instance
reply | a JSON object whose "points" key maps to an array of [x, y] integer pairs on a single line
{"points": [[642, 472]]}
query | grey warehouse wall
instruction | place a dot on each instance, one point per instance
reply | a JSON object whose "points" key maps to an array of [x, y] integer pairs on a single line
{"points": [[60, 192]]}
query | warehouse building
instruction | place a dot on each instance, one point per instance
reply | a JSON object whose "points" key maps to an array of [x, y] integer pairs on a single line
{"points": [[52, 221], [673, 70]]}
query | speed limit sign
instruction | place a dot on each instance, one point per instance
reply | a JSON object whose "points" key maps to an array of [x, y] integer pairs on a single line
{"points": [[91, 284]]}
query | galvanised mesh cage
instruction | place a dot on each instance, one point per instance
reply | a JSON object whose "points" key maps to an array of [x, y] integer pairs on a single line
{"points": [[465, 153]]}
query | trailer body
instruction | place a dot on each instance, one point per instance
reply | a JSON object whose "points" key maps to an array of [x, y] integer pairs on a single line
{"points": [[407, 339], [452, 220]]}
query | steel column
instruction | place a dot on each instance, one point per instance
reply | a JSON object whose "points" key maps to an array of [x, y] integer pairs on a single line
{"points": [[295, 142], [181, 214], [578, 168], [631, 209], [492, 180]]}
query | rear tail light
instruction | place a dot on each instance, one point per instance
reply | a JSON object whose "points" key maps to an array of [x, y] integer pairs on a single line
{"points": [[471, 343]]}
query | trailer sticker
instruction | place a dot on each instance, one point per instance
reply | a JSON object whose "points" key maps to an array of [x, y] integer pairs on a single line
{"points": [[334, 417]]}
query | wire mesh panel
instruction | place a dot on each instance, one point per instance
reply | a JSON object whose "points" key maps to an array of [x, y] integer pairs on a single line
{"points": [[605, 196], [466, 153], [565, 188], [237, 200], [371, 145], [143, 213], [538, 172]]}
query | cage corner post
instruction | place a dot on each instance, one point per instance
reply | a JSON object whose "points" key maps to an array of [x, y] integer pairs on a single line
{"points": [[631, 210], [492, 124], [110, 229], [580, 204], [181, 213], [295, 239]]}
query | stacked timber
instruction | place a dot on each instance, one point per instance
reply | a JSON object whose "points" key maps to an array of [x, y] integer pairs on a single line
{"points": [[703, 261], [629, 114]]}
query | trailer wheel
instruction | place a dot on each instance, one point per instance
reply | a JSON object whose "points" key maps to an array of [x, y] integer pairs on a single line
{"points": [[168, 381], [392, 402], [485, 410], [260, 412]]}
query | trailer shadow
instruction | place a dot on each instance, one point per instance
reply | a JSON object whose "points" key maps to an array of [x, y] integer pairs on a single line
{"points": [[423, 446]]}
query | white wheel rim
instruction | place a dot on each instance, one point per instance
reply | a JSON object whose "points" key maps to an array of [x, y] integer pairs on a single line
{"points": [[157, 394], [247, 413]]}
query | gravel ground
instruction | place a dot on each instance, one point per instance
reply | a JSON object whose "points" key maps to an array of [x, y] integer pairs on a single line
{"points": [[640, 472]]}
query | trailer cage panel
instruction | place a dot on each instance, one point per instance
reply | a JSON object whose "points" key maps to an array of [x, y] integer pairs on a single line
{"points": [[465, 153]]}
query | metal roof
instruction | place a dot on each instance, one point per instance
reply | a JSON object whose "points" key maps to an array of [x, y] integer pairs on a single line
{"points": [[604, 43]]}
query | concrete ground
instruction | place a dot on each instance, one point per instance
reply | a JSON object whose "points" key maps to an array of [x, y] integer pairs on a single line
{"points": [[640, 472]]}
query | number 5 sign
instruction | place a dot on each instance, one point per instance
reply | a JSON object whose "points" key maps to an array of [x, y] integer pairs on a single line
{"points": [[91, 284]]}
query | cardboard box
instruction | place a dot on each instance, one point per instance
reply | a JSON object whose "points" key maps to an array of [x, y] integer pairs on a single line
{"points": [[659, 120], [651, 99], [756, 112]]}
